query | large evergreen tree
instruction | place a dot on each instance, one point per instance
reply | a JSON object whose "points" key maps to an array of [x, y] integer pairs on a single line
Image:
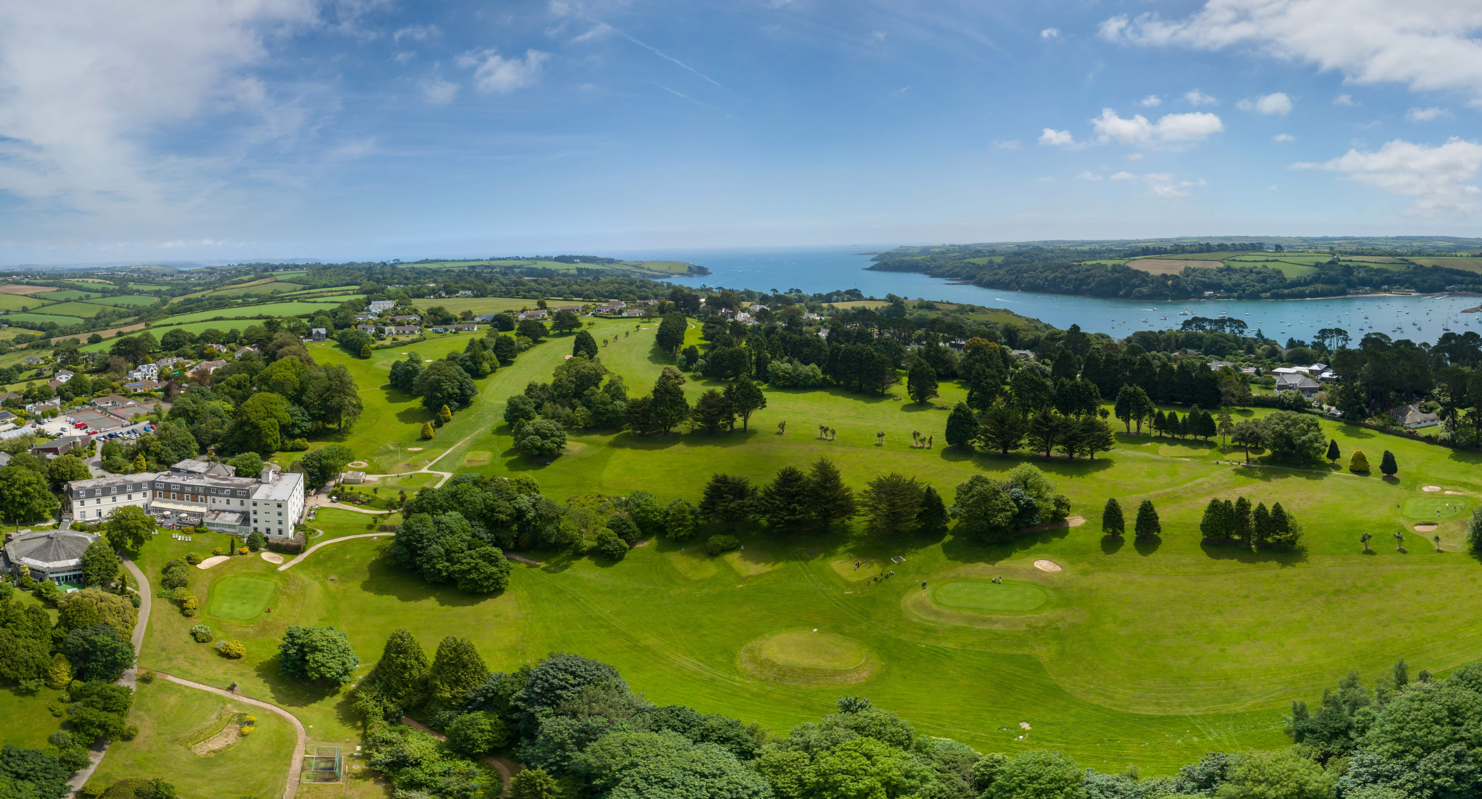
{"points": [[1214, 526], [1045, 429], [727, 498], [962, 426], [1148, 525], [99, 564], [1241, 526], [1002, 427], [402, 670], [745, 398], [784, 504], [932, 518], [456, 670], [830, 499], [921, 382], [892, 501], [1333, 453], [1112, 523], [1387, 465]]}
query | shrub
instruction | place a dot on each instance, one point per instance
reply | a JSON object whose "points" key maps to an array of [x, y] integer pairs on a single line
{"points": [[201, 633], [249, 719], [130, 732], [248, 730], [136, 600], [610, 545], [189, 605], [90, 791], [216, 551], [243, 550], [231, 649], [175, 575], [717, 544], [144, 675], [1358, 463], [193, 558]]}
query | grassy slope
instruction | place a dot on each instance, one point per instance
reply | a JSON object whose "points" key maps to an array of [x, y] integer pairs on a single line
{"points": [[483, 305], [168, 715], [1122, 667], [128, 299]]}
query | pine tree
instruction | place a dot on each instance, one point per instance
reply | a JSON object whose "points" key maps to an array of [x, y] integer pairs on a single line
{"points": [[1284, 530], [1226, 425], [1261, 526], [1002, 427], [1228, 514], [446, 414], [932, 518], [139, 463], [1125, 406], [1096, 436], [534, 783], [1214, 526], [1173, 425], [1333, 453], [831, 500], [1387, 465], [1401, 674], [784, 503], [1148, 525], [1159, 422], [427, 429], [1112, 524], [962, 426], [679, 521], [456, 670], [1207, 427], [1242, 522], [1358, 463], [365, 351], [402, 669], [921, 382], [1045, 429], [255, 541]]}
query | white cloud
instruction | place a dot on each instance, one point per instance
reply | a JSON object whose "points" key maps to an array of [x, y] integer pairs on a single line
{"points": [[404, 56], [599, 31], [1058, 138], [1050, 33], [1437, 179], [1092, 176], [1124, 176], [1426, 114], [1198, 98], [1160, 184], [417, 33], [495, 73], [1195, 126], [1011, 144], [1151, 101], [1344, 99], [1428, 45], [1275, 104], [1284, 137], [1134, 156], [437, 91]]}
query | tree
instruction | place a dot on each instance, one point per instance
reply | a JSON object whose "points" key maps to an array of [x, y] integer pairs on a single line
{"points": [[542, 438], [1387, 465], [565, 322], [1283, 774], [1003, 427], [1260, 526], [248, 464], [534, 783], [892, 501], [444, 383], [402, 670], [921, 382], [1226, 425], [256, 541], [323, 464], [830, 499], [713, 412], [65, 469], [784, 503], [331, 396], [456, 670], [728, 498], [1249, 433], [745, 398], [1242, 526], [1124, 405], [933, 517], [984, 510], [473, 734], [533, 329], [427, 430], [127, 528], [1474, 531], [445, 414], [1294, 436], [962, 426], [24, 495], [365, 351], [318, 655], [519, 408], [1038, 774], [506, 350], [99, 564], [97, 652], [584, 346], [60, 672], [1112, 523], [1094, 435], [1333, 453], [1358, 463], [1147, 525], [1215, 527], [668, 406], [610, 545], [671, 331], [1045, 430], [679, 521]]}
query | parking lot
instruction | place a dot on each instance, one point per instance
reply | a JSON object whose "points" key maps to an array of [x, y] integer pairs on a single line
{"points": [[101, 426]]}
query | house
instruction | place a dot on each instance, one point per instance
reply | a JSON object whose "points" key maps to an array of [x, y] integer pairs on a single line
{"points": [[403, 330], [318, 334], [465, 328], [378, 306], [145, 371], [354, 478], [271, 502], [406, 318], [32, 361], [6, 417], [54, 555], [464, 293], [143, 385], [571, 308], [9, 395], [210, 366], [367, 329], [61, 376], [613, 306], [171, 363], [538, 313], [1411, 417], [43, 407], [1025, 354], [59, 446], [1218, 365], [112, 401], [364, 317], [244, 352], [1297, 382], [629, 313]]}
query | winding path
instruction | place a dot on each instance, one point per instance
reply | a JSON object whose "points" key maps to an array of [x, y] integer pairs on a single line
{"points": [[297, 764], [311, 549], [504, 773]]}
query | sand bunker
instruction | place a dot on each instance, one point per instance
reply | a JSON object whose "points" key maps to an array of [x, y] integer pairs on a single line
{"points": [[1047, 565], [221, 740], [414, 449], [212, 561], [1456, 493], [1424, 528], [272, 557], [1432, 489], [358, 464]]}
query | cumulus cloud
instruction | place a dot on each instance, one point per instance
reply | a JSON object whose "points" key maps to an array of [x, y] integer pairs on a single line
{"points": [[1426, 114], [1284, 137], [437, 91], [1050, 33], [1344, 99], [1197, 98], [1058, 138], [499, 75], [1439, 180], [1275, 104], [1151, 101], [1427, 45], [1088, 176], [1175, 128]]}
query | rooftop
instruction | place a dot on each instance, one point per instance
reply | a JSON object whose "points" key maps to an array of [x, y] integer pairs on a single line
{"points": [[49, 549]]}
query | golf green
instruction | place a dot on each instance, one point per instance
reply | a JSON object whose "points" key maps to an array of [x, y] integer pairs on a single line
{"points": [[809, 657], [1444, 507], [986, 595], [240, 598]]}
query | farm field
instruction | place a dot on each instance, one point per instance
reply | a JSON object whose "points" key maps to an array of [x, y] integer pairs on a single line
{"points": [[15, 302], [263, 287], [64, 295], [172, 718], [160, 330], [637, 268], [483, 305], [1469, 264], [127, 299], [263, 311], [40, 317], [83, 309], [1107, 658]]}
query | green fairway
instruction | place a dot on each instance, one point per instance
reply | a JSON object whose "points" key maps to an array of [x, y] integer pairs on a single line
{"points": [[1434, 507], [240, 598], [986, 595]]}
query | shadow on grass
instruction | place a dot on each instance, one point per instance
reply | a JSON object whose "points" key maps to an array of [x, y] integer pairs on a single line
{"points": [[1147, 546], [1242, 554], [1111, 545], [384, 578]]}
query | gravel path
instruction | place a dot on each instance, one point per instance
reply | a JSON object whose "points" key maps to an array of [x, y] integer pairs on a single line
{"points": [[297, 764], [311, 549]]}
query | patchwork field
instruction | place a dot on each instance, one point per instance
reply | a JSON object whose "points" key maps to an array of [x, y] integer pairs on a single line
{"points": [[483, 305], [82, 309], [39, 317], [1469, 264], [127, 299], [1134, 652]]}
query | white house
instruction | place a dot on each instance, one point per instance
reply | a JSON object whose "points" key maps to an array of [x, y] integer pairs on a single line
{"points": [[378, 306], [271, 502], [145, 371], [1413, 418]]}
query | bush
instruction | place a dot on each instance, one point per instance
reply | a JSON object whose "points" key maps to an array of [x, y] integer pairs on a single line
{"points": [[193, 558], [175, 575], [130, 732], [201, 633], [243, 550], [144, 675], [610, 545], [90, 791], [216, 551], [717, 544], [248, 730], [189, 605], [136, 600], [231, 649], [1358, 463], [249, 719]]}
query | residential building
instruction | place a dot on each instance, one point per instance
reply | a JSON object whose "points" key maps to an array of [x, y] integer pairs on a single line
{"points": [[571, 308], [465, 328], [378, 306], [244, 352], [143, 385], [59, 446], [1411, 417], [210, 366], [317, 334], [406, 318], [464, 293], [538, 313], [629, 313], [367, 329], [62, 376], [1296, 382], [112, 401], [195, 491], [403, 330], [54, 555], [145, 371]]}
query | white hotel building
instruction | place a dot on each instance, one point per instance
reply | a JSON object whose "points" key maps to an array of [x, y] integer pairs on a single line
{"points": [[194, 492]]}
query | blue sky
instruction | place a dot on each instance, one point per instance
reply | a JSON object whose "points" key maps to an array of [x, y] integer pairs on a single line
{"points": [[186, 129]]}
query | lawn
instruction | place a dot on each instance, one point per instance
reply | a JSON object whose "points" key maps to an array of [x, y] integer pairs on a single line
{"points": [[1135, 652], [263, 311], [159, 330], [15, 302], [39, 317], [263, 287], [27, 720], [483, 305], [240, 598], [83, 309], [172, 717], [1469, 264]]}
